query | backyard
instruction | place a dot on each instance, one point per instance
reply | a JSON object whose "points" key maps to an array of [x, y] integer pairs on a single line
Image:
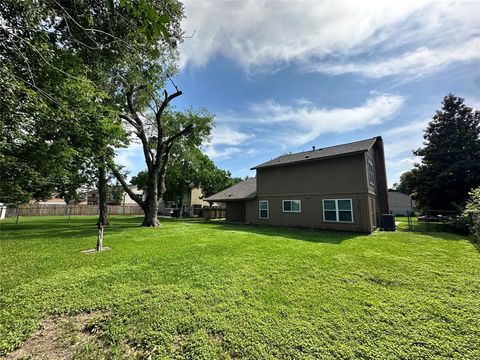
{"points": [[210, 290]]}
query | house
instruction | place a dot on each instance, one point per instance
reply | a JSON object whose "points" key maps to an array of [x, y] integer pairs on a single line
{"points": [[341, 187], [192, 202], [400, 203], [116, 197]]}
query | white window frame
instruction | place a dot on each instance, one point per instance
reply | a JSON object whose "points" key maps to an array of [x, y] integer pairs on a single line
{"points": [[337, 211], [292, 211], [260, 210]]}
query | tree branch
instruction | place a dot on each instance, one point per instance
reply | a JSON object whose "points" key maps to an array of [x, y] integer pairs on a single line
{"points": [[158, 118], [135, 197], [187, 129], [149, 158], [163, 172]]}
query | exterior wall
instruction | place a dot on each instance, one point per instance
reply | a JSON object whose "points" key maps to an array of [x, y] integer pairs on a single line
{"points": [[127, 200], [311, 182], [338, 175], [195, 198], [380, 177], [236, 211], [311, 215], [378, 189], [400, 203]]}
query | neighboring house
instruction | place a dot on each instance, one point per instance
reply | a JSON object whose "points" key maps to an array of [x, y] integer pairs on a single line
{"points": [[400, 203], [120, 199], [341, 187], [192, 203]]}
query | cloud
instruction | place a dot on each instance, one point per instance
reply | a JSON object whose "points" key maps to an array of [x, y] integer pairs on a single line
{"points": [[226, 135], [129, 156], [225, 153], [419, 62], [300, 124], [389, 37], [399, 143]]}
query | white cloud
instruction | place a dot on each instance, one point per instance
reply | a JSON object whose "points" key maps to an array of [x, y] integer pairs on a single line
{"points": [[266, 35], [301, 124], [399, 143], [225, 153], [225, 141], [226, 135], [129, 156], [419, 62]]}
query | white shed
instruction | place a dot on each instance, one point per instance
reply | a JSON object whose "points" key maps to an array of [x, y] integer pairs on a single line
{"points": [[400, 203]]}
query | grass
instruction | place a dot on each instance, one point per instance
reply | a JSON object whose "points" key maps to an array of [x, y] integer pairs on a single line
{"points": [[212, 290]]}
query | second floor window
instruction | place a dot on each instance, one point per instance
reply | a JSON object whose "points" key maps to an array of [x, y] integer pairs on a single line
{"points": [[371, 173], [291, 206]]}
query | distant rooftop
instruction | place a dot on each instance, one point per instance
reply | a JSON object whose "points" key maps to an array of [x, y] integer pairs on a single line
{"points": [[244, 190], [337, 150]]}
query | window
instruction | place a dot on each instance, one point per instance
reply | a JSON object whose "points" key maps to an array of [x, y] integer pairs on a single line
{"points": [[337, 210], [291, 206], [263, 209], [371, 174]]}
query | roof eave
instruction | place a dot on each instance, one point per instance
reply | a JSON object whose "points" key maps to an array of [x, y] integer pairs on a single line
{"points": [[308, 160]]}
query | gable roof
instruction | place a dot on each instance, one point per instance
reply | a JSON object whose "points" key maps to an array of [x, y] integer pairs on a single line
{"points": [[244, 190], [331, 151]]}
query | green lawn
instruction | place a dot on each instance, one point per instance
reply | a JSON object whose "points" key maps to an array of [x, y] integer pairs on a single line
{"points": [[192, 289]]}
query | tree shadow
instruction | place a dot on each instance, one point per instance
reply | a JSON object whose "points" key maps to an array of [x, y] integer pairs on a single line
{"points": [[290, 233], [62, 228]]}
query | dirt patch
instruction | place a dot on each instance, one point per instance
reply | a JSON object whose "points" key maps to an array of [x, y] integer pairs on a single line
{"points": [[62, 337]]}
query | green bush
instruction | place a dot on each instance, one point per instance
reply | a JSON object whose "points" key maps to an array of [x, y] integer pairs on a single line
{"points": [[471, 214]]}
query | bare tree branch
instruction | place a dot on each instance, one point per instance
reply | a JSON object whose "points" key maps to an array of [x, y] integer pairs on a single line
{"points": [[135, 197], [182, 132]]}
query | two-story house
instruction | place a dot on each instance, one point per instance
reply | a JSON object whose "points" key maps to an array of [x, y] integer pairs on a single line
{"points": [[341, 187]]}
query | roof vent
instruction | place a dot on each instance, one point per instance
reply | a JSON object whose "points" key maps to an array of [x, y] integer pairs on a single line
{"points": [[313, 148]]}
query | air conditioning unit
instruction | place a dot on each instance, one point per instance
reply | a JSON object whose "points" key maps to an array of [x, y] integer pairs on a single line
{"points": [[388, 222]]}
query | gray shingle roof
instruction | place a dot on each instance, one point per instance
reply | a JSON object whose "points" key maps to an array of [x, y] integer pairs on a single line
{"points": [[247, 189], [343, 149]]}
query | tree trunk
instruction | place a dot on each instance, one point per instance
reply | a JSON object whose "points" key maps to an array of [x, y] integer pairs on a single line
{"points": [[102, 196], [180, 205], [151, 204], [100, 237]]}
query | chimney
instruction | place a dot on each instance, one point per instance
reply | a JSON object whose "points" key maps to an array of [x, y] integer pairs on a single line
{"points": [[313, 148]]}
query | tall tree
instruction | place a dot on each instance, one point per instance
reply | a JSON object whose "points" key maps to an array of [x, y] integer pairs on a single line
{"points": [[50, 46], [406, 184], [195, 169], [158, 132], [450, 165]]}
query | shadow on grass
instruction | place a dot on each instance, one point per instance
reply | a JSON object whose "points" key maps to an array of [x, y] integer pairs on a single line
{"points": [[61, 227], [433, 229], [291, 233]]}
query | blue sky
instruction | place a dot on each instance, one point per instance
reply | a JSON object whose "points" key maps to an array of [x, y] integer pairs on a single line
{"points": [[282, 76]]}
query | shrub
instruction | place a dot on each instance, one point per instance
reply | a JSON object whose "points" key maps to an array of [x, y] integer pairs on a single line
{"points": [[471, 214]]}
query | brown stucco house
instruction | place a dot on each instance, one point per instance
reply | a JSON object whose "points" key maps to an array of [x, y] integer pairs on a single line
{"points": [[342, 187]]}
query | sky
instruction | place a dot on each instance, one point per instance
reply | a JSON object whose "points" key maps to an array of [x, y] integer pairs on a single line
{"points": [[283, 76]]}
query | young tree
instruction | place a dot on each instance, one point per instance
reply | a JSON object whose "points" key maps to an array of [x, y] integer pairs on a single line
{"points": [[450, 165]]}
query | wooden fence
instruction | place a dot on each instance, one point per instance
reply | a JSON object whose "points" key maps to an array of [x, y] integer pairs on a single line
{"points": [[67, 210], [214, 212]]}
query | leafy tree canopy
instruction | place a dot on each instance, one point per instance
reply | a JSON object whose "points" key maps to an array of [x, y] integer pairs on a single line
{"points": [[450, 165], [64, 67]]}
